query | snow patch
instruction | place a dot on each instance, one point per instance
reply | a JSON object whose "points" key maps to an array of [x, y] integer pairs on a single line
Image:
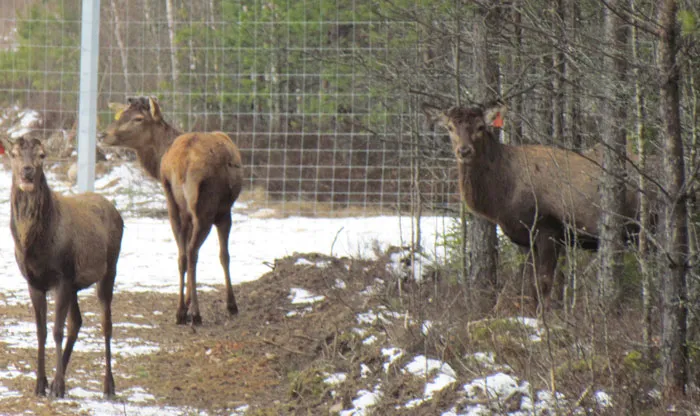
{"points": [[365, 399], [300, 296], [393, 354], [406, 265], [422, 366], [335, 379], [369, 340]]}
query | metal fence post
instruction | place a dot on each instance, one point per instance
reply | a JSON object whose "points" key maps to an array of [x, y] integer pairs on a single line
{"points": [[87, 107]]}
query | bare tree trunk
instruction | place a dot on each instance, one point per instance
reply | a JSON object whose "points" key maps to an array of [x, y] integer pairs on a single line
{"points": [[674, 350], [559, 76], [545, 127], [274, 77], [154, 40], [517, 121], [216, 66], [171, 35], [613, 188], [572, 89], [483, 242], [640, 116], [122, 47], [693, 252]]}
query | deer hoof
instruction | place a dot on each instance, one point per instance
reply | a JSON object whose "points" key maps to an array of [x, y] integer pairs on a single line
{"points": [[58, 388], [41, 384], [109, 387], [197, 319], [232, 308], [181, 317]]}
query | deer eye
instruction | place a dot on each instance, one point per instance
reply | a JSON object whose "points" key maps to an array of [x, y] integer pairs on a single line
{"points": [[480, 128], [42, 155], [137, 119]]}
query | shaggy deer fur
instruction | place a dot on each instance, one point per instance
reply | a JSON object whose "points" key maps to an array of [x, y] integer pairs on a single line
{"points": [[202, 176], [65, 243], [540, 196]]}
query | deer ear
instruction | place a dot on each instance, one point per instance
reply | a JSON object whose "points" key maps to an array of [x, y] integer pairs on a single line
{"points": [[494, 114], [118, 109], [434, 114], [155, 108]]}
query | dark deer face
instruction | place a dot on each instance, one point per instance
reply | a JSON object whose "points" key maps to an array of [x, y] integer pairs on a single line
{"points": [[27, 161], [133, 123], [467, 126]]}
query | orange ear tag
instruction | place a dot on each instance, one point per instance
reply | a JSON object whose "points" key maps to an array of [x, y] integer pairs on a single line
{"points": [[498, 121]]}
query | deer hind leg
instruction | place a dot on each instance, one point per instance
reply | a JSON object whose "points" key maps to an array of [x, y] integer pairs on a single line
{"points": [[65, 297], [200, 222], [105, 291], [223, 228], [199, 234], [39, 303], [180, 226]]}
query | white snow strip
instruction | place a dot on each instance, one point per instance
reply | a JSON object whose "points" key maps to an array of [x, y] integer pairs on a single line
{"points": [[300, 296]]}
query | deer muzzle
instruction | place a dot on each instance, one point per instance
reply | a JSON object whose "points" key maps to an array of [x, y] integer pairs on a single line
{"points": [[26, 179]]}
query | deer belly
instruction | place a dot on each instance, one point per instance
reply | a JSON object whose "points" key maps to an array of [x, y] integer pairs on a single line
{"points": [[518, 234]]}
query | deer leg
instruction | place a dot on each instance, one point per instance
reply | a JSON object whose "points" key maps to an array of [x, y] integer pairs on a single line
{"points": [[223, 228], [75, 321], [546, 258], [181, 317], [39, 303], [105, 291], [199, 234], [177, 223], [65, 296]]}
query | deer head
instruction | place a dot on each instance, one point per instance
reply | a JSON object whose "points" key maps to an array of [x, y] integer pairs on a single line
{"points": [[27, 161], [467, 126], [134, 122]]}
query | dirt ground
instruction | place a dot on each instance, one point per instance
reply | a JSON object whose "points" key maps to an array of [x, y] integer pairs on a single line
{"points": [[275, 357], [272, 356]]}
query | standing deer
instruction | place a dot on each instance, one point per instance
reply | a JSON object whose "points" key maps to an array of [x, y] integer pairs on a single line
{"points": [[202, 176], [540, 196], [64, 244]]}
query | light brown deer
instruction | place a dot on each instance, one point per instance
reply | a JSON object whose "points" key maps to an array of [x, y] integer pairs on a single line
{"points": [[62, 243], [540, 196], [202, 176]]}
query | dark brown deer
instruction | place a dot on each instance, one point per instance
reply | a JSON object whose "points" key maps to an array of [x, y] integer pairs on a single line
{"points": [[540, 196], [202, 176], [62, 243]]}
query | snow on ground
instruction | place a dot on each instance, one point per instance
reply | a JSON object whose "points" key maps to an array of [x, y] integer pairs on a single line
{"points": [[299, 295], [148, 263]]}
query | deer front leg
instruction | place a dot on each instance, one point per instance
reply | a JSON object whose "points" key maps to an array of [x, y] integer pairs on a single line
{"points": [[65, 297], [39, 303]]}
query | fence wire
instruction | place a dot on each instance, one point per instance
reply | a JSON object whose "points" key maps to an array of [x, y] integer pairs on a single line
{"points": [[306, 89]]}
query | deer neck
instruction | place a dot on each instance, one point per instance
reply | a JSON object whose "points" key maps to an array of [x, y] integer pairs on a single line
{"points": [[150, 156], [30, 213], [486, 182]]}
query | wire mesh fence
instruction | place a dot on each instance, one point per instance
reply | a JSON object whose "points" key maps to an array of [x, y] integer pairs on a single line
{"points": [[307, 89]]}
